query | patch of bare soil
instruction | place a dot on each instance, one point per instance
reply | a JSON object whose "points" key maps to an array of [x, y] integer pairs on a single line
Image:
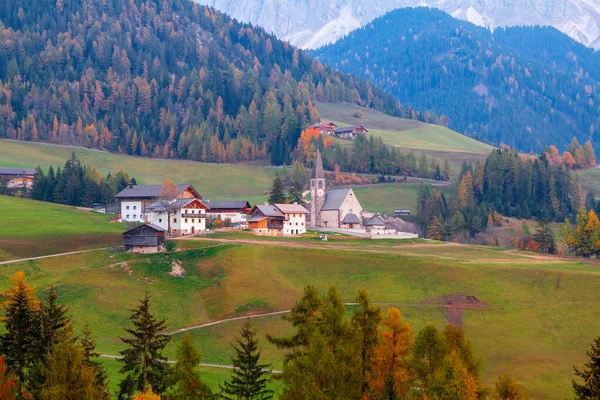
{"points": [[176, 269], [453, 305], [123, 265]]}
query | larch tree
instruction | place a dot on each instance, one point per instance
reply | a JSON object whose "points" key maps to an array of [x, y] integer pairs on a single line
{"points": [[392, 375], [507, 389], [588, 385], [143, 361], [428, 354], [186, 377], [436, 230], [249, 378]]}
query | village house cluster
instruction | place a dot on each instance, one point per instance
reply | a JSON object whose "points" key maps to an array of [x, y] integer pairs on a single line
{"points": [[337, 210], [346, 132]]}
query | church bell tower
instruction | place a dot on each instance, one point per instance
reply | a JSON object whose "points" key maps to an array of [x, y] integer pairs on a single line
{"points": [[317, 191]]}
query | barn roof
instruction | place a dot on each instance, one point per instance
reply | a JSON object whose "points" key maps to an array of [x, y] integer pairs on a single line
{"points": [[151, 226], [335, 198], [17, 171], [291, 208], [228, 204], [347, 129], [375, 221], [323, 125], [257, 218], [151, 191], [351, 219], [177, 203]]}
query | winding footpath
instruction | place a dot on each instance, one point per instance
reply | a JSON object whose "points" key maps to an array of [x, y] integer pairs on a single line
{"points": [[51, 255]]}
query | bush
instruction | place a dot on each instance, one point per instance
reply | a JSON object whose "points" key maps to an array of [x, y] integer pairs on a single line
{"points": [[170, 246]]}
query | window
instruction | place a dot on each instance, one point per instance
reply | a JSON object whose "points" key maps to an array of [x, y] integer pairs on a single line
{"points": [[127, 216], [186, 220], [135, 207], [320, 184], [174, 220], [134, 216], [160, 220], [127, 207]]}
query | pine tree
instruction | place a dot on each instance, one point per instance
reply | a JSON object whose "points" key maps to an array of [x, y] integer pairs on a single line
{"points": [[249, 379], [186, 377], [21, 322], [590, 389], [295, 193], [144, 363], [277, 195], [545, 237], [366, 321], [88, 346], [67, 376]]}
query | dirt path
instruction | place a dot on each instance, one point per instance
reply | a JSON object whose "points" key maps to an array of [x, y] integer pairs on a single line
{"points": [[50, 256]]}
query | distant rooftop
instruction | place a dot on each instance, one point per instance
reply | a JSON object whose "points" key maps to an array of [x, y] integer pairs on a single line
{"points": [[149, 191], [17, 171]]}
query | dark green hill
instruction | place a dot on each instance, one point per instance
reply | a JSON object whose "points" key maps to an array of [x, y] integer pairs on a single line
{"points": [[163, 78], [525, 87]]}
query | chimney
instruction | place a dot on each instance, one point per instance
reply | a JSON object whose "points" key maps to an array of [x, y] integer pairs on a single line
{"points": [[131, 185]]}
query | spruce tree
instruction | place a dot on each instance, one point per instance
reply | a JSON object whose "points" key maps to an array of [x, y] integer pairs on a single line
{"points": [[249, 379], [88, 345], [590, 389], [295, 193], [366, 321], [545, 237], [277, 195], [186, 377], [144, 363]]}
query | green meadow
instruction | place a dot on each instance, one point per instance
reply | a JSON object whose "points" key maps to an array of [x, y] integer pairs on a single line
{"points": [[32, 228], [539, 318], [590, 180]]}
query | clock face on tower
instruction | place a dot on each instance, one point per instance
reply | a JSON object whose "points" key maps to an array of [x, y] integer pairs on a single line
{"points": [[320, 192]]}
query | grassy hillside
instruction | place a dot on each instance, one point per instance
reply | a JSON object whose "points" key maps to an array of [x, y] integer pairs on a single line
{"points": [[408, 134], [590, 180], [539, 319], [31, 228]]}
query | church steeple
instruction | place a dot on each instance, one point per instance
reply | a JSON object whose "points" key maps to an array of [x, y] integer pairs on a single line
{"points": [[318, 191], [317, 171]]}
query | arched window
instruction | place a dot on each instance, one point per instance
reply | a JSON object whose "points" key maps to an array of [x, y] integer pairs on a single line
{"points": [[320, 184], [312, 183]]}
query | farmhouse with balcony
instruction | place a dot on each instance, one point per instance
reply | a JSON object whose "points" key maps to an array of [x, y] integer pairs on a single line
{"points": [[235, 211], [135, 200], [326, 128], [145, 238], [17, 178], [188, 216], [266, 220], [350, 132], [294, 222]]}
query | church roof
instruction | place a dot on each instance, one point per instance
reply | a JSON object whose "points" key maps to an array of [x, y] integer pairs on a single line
{"points": [[335, 198], [351, 219], [317, 172], [375, 221]]}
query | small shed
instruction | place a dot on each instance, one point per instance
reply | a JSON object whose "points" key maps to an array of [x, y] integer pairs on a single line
{"points": [[146, 238], [376, 225]]}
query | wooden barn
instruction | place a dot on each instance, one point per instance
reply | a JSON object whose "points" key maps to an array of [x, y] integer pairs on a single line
{"points": [[350, 132], [266, 220], [145, 238], [326, 128], [17, 177]]}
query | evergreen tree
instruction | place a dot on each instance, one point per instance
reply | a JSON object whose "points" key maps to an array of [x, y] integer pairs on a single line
{"points": [[277, 195], [428, 354], [436, 230], [295, 193], [249, 379], [67, 375], [187, 382], [21, 323], [590, 376], [366, 321], [88, 346], [143, 361], [545, 237]]}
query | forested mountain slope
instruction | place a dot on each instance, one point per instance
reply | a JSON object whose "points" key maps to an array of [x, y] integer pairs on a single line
{"points": [[166, 78], [525, 87]]}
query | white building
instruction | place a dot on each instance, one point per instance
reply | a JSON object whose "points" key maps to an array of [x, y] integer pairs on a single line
{"points": [[294, 222], [135, 200], [188, 216]]}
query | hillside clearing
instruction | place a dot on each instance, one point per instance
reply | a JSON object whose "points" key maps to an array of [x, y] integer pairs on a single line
{"points": [[540, 313]]}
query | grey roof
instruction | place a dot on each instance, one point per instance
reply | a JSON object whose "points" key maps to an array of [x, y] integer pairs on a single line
{"points": [[334, 199], [346, 129], [178, 203], [269, 211], [317, 171], [216, 205], [351, 219], [375, 221], [17, 171], [155, 227], [147, 191], [257, 218]]}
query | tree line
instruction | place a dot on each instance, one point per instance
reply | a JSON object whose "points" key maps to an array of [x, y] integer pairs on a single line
{"points": [[77, 185], [166, 79], [506, 184], [373, 354]]}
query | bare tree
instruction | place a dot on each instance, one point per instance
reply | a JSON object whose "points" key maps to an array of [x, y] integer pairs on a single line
{"points": [[168, 200]]}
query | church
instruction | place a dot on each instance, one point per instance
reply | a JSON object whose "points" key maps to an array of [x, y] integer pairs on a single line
{"points": [[337, 208]]}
